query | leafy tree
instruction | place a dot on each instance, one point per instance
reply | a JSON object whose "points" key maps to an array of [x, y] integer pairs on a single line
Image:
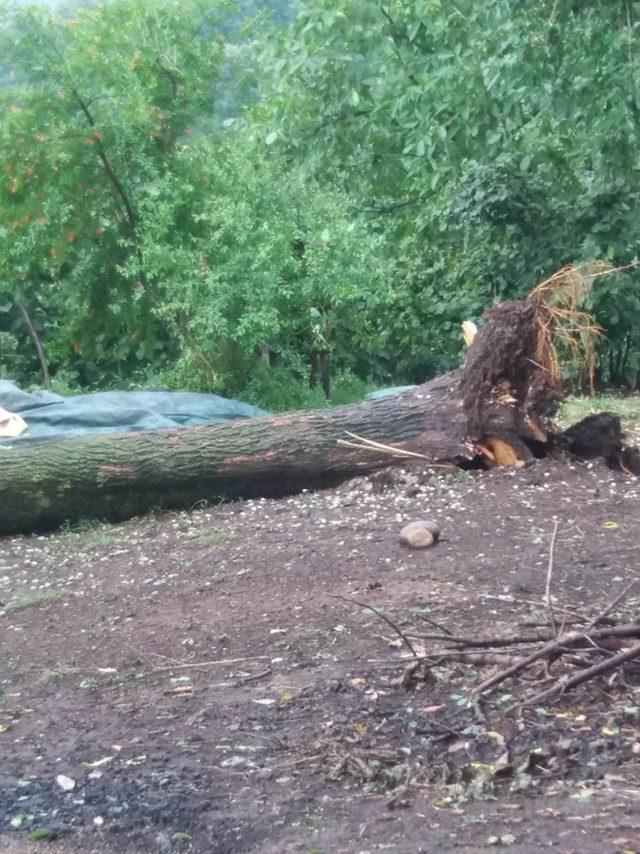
{"points": [[97, 110], [493, 142], [198, 197], [141, 232], [263, 263]]}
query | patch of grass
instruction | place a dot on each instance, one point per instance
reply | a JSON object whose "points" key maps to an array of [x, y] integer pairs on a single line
{"points": [[441, 478], [214, 537], [32, 599], [280, 389], [521, 587], [43, 834], [97, 541], [86, 534], [55, 672], [459, 476], [131, 672], [83, 526]]}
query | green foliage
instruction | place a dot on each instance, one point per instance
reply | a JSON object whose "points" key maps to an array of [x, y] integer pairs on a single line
{"points": [[193, 199], [43, 834], [11, 362], [255, 259], [136, 244], [31, 599], [492, 143], [280, 389], [93, 114]]}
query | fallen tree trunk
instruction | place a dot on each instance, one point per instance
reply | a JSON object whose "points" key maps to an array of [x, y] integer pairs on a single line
{"points": [[495, 410], [118, 476]]}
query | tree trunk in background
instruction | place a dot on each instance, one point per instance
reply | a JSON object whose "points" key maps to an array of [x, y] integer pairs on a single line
{"points": [[314, 364], [42, 359], [325, 372]]}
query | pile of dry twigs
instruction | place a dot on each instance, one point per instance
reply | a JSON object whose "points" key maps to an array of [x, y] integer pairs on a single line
{"points": [[572, 648]]}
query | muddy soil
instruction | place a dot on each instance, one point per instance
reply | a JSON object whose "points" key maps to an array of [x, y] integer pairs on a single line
{"points": [[198, 681]]}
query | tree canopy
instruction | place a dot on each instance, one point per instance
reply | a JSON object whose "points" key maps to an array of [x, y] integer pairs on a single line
{"points": [[250, 200]]}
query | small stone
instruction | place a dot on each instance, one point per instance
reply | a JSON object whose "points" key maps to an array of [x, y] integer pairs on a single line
{"points": [[65, 783], [417, 536]]}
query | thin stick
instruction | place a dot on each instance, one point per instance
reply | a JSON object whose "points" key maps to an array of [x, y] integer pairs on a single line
{"points": [[626, 630], [220, 661], [382, 617], [456, 733], [435, 625], [498, 659], [370, 444], [612, 605], [537, 364], [584, 675], [483, 643], [290, 763], [547, 589], [530, 603], [623, 631], [255, 676], [344, 444]]}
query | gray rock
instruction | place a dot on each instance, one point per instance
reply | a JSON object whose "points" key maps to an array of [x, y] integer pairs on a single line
{"points": [[433, 528], [416, 535]]}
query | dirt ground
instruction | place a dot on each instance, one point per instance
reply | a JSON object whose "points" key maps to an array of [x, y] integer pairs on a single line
{"points": [[194, 683]]}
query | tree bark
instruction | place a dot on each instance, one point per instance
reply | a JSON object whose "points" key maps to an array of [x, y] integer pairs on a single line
{"points": [[314, 363], [115, 477], [42, 359], [325, 373]]}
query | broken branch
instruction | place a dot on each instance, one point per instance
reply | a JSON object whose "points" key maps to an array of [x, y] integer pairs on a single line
{"points": [[547, 589], [567, 682], [382, 616]]}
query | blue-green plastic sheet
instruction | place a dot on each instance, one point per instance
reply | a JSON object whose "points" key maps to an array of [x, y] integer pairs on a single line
{"points": [[50, 415], [385, 392]]}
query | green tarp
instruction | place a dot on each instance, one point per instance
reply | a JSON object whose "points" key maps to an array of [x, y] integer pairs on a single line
{"points": [[385, 392], [50, 415]]}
